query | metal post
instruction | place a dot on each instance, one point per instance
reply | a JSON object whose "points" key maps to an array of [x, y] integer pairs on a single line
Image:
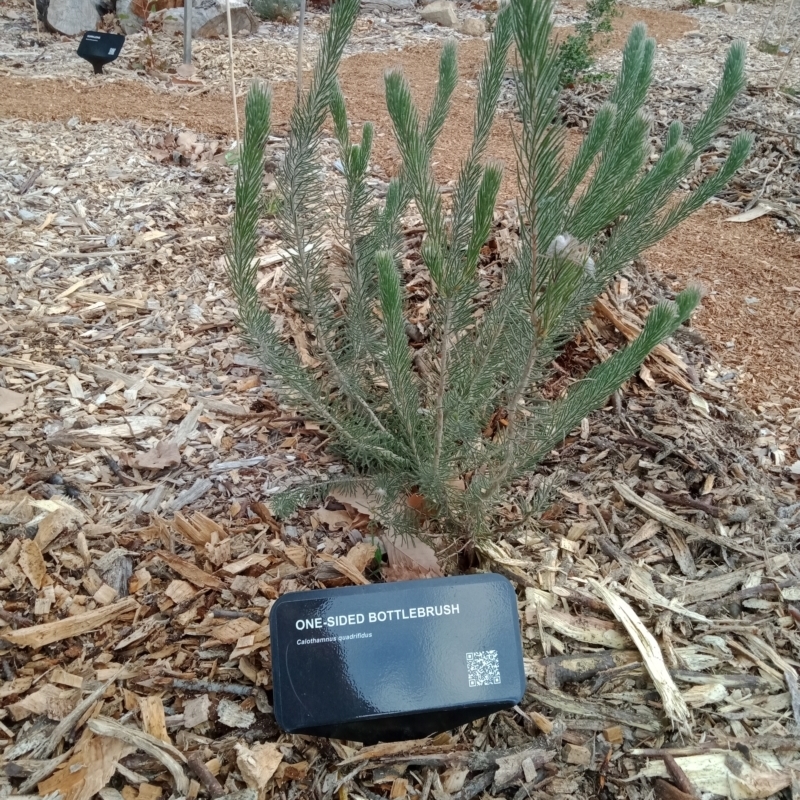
{"points": [[187, 31]]}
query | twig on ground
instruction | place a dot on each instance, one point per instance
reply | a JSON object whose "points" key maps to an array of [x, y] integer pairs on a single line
{"points": [[213, 686], [203, 774]]}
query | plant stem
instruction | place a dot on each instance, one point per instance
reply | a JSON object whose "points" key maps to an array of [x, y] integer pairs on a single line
{"points": [[519, 391], [313, 308], [440, 392], [300, 28]]}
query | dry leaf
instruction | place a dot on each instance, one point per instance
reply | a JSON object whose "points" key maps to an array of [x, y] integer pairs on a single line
{"points": [[164, 454], [359, 501], [10, 401], [49, 701], [32, 563], [335, 520], [409, 559], [258, 764]]}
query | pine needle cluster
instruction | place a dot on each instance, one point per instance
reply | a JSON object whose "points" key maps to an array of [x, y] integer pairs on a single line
{"points": [[408, 430]]}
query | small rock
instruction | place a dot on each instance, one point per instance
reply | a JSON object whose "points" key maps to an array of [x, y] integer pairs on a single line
{"points": [[473, 26], [72, 17], [442, 12], [731, 8], [209, 20]]}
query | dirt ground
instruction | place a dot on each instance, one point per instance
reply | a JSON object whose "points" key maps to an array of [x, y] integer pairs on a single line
{"points": [[751, 303]]}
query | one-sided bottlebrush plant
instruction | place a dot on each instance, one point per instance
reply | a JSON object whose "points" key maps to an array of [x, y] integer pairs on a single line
{"points": [[406, 430]]}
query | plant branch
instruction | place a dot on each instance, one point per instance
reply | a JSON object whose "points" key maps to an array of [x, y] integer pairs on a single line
{"points": [[442, 386]]}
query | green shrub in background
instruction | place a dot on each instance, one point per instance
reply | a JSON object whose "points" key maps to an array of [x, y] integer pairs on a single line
{"points": [[575, 52], [276, 10], [411, 423]]}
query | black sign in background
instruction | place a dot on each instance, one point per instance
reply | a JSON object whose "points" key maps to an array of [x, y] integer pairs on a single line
{"points": [[404, 677]]}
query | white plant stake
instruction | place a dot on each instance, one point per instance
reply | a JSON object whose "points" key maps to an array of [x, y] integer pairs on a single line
{"points": [[789, 57]]}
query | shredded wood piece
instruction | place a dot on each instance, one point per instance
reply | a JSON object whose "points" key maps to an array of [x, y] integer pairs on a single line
{"points": [[674, 705], [49, 632], [168, 755]]}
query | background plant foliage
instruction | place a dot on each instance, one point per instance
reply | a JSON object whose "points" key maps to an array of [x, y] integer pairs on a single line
{"points": [[409, 425], [575, 52], [276, 10]]}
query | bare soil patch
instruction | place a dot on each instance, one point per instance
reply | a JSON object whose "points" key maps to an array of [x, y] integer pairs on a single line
{"points": [[751, 308], [44, 100]]}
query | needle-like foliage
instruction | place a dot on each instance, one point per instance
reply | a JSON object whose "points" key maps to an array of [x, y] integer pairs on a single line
{"points": [[425, 421]]}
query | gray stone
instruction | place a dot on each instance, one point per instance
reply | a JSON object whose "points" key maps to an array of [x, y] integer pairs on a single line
{"points": [[72, 17], [473, 26], [387, 5], [442, 12], [731, 8], [209, 20], [129, 21]]}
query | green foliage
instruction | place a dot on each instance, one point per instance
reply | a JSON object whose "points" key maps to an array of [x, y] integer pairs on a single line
{"points": [[423, 420], [767, 47], [575, 57], [272, 205], [276, 10], [575, 52]]}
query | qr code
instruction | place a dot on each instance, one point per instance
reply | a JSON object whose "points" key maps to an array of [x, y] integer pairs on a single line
{"points": [[483, 669]]}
